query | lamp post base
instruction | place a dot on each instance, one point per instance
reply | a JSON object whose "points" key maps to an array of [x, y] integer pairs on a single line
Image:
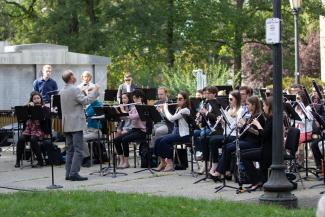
{"points": [[285, 199]]}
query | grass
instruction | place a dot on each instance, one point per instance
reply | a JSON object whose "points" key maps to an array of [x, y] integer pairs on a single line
{"points": [[83, 203]]}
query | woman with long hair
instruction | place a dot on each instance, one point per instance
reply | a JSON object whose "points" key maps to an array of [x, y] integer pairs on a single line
{"points": [[250, 136], [216, 141], [33, 131], [164, 145]]}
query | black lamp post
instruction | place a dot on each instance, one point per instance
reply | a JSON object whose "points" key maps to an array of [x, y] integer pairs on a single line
{"points": [[277, 188], [295, 6]]}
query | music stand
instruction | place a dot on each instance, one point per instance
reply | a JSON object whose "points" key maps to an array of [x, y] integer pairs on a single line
{"points": [[110, 95], [291, 112], [150, 115], [227, 122], [195, 104], [290, 97], [223, 101], [308, 116], [55, 105], [111, 115], [322, 128], [226, 88], [149, 93]]}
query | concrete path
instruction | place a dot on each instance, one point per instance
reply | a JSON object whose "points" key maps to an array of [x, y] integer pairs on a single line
{"points": [[178, 183]]}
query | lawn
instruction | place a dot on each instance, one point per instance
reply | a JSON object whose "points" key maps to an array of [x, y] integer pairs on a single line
{"points": [[83, 203]]}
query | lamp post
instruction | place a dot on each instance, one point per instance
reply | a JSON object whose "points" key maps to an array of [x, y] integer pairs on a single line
{"points": [[277, 188], [295, 6]]}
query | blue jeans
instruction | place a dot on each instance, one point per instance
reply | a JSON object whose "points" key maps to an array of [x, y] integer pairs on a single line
{"points": [[164, 144], [198, 134], [224, 163]]}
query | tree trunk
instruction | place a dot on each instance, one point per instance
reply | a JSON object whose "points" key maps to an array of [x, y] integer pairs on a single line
{"points": [[170, 34], [91, 11], [238, 42]]}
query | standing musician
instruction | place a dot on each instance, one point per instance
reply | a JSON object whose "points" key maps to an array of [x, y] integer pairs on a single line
{"points": [[45, 85], [74, 122], [165, 126], [126, 87], [33, 130], [250, 136], [86, 83], [263, 155], [216, 141], [137, 132], [164, 145]]}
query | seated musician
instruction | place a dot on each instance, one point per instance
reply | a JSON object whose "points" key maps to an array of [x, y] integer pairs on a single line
{"points": [[209, 114], [250, 136], [164, 126], [93, 128], [164, 145], [263, 155], [34, 131], [216, 141], [137, 132], [305, 125], [125, 125], [200, 131]]}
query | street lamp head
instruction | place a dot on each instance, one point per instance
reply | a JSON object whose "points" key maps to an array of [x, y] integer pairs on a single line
{"points": [[295, 4]]}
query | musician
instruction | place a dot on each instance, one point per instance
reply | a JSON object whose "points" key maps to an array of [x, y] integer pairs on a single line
{"points": [[305, 125], [216, 141], [137, 132], [45, 85], [165, 126], [125, 125], [250, 138], [245, 93], [93, 129], [126, 87], [164, 145], [263, 155], [209, 113], [199, 94], [86, 83], [34, 131], [74, 122]]}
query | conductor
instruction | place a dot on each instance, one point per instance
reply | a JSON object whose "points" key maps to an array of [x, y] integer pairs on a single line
{"points": [[74, 122]]}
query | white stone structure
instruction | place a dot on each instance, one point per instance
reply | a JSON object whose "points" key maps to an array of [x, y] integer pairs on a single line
{"points": [[20, 65]]}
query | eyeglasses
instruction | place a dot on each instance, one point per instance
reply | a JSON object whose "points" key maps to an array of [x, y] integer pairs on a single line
{"points": [[230, 99], [127, 79], [180, 99]]}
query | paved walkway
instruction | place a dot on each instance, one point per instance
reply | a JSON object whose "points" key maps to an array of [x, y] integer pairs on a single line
{"points": [[179, 183]]}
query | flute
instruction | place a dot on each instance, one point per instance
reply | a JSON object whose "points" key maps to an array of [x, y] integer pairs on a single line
{"points": [[174, 103], [118, 106]]}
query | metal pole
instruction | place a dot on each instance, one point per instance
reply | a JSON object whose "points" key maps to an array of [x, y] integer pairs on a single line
{"points": [[277, 188], [297, 62]]}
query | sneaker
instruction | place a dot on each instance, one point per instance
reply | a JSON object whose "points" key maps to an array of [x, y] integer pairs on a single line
{"points": [[198, 155]]}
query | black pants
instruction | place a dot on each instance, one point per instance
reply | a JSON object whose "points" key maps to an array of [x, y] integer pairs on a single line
{"points": [[317, 153], [122, 142], [249, 156], [216, 142], [33, 144]]}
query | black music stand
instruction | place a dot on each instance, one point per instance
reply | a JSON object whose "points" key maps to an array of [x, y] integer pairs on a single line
{"points": [[227, 122], [110, 95], [55, 110], [226, 88], [223, 101], [149, 93], [195, 104], [290, 97], [149, 114], [307, 117], [292, 114], [111, 115]]}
